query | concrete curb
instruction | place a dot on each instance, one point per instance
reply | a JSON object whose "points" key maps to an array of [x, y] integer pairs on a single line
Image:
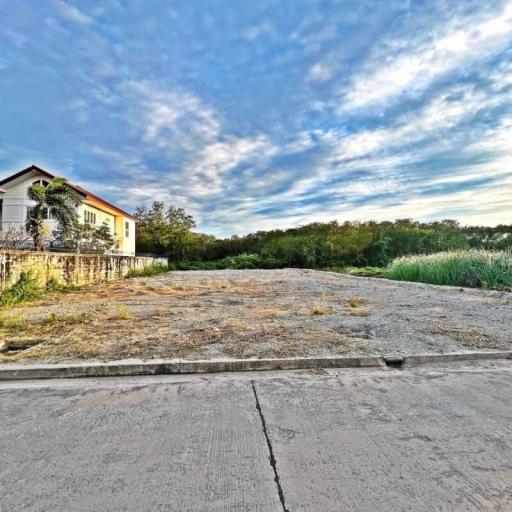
{"points": [[173, 366]]}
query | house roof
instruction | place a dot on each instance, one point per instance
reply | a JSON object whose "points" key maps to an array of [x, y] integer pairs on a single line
{"points": [[80, 190]]}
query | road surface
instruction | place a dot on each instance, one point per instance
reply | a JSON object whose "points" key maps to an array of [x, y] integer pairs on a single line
{"points": [[421, 439]]}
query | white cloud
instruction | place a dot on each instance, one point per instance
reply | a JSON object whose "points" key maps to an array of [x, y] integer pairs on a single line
{"points": [[422, 62], [264, 28], [320, 72], [172, 119], [71, 12], [206, 172]]}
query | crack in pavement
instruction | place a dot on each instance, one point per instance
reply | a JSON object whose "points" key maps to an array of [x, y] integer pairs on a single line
{"points": [[272, 458]]}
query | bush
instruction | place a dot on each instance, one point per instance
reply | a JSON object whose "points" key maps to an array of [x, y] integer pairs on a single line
{"points": [[152, 270], [25, 289], [242, 261], [471, 268]]}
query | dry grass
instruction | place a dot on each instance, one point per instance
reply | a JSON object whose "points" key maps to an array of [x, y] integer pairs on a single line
{"points": [[353, 307], [122, 313], [222, 314], [470, 337], [355, 302], [319, 310], [358, 312]]}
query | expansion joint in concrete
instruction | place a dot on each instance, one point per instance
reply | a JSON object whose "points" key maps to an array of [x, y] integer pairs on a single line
{"points": [[272, 459]]}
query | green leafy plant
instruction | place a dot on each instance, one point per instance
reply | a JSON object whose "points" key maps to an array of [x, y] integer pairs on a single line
{"points": [[85, 237], [27, 288], [55, 198]]}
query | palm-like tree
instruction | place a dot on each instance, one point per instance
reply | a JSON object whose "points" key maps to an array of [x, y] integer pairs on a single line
{"points": [[56, 197]]}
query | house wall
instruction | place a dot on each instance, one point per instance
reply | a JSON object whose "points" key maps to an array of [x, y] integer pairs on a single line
{"points": [[15, 203], [126, 245], [69, 269], [101, 216]]}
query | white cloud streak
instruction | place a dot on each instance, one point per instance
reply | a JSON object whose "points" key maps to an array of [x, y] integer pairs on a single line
{"points": [[414, 69]]}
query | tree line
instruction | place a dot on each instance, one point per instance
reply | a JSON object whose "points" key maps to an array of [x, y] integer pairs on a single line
{"points": [[167, 230]]}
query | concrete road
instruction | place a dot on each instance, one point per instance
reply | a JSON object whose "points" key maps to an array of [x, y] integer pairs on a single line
{"points": [[423, 439]]}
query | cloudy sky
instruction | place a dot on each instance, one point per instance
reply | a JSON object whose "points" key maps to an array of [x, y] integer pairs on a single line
{"points": [[270, 113]]}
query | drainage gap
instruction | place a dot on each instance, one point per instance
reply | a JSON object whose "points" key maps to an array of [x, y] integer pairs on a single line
{"points": [[272, 459], [394, 362]]}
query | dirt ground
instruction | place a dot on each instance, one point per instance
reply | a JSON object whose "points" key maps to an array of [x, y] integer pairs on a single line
{"points": [[255, 313]]}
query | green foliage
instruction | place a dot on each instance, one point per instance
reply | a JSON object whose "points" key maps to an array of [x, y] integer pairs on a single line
{"points": [[167, 230], [86, 237], [56, 197], [471, 268], [358, 244], [152, 270], [365, 271], [27, 288], [242, 261]]}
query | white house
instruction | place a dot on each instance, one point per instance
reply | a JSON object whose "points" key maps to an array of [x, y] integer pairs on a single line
{"points": [[15, 205]]}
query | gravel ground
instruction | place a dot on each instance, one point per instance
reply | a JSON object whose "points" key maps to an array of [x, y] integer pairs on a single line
{"points": [[256, 313]]}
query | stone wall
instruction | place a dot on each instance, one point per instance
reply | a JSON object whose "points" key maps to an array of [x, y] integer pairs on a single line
{"points": [[69, 269]]}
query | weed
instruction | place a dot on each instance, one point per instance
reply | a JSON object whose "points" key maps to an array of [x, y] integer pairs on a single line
{"points": [[319, 310], [54, 286], [355, 302], [78, 318], [7, 322], [122, 313], [27, 288]]}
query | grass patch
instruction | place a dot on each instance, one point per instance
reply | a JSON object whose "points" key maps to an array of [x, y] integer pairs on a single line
{"points": [[29, 289], [26, 289], [470, 268], [149, 271], [365, 271]]}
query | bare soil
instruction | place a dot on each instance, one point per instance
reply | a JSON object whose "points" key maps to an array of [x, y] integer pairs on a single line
{"points": [[255, 313]]}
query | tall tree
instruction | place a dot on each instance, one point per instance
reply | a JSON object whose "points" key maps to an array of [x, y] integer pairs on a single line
{"points": [[56, 197], [166, 230]]}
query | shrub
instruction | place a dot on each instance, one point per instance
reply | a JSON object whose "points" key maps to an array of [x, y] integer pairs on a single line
{"points": [[242, 261], [471, 268], [149, 271], [25, 289]]}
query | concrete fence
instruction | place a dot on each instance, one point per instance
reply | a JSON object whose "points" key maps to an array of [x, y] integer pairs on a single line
{"points": [[69, 269]]}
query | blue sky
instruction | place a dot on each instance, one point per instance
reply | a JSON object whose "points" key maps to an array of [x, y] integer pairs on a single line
{"points": [[263, 114]]}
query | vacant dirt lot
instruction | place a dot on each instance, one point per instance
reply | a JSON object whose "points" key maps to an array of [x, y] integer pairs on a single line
{"points": [[256, 313]]}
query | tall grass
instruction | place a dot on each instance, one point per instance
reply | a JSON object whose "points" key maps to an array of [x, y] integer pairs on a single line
{"points": [[471, 268]]}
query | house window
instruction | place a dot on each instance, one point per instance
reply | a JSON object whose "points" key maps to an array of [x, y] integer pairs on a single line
{"points": [[46, 213], [89, 217], [127, 230]]}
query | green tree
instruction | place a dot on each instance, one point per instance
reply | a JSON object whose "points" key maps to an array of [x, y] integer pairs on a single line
{"points": [[58, 199], [181, 240], [166, 230], [86, 237]]}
